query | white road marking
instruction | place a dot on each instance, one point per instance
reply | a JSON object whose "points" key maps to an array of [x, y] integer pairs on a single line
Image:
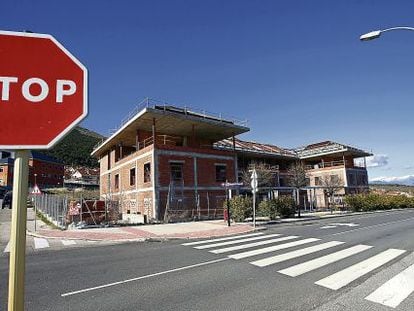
{"points": [[262, 237], [294, 254], [7, 249], [249, 245], [222, 239], [373, 226], [68, 242], [144, 277], [323, 261], [339, 224], [350, 274], [40, 243], [272, 248], [393, 292]]}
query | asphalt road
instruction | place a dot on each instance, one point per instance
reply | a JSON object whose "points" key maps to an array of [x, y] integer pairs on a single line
{"points": [[361, 262]]}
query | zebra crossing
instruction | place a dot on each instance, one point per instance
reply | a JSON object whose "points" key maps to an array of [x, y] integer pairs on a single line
{"points": [[41, 243], [277, 248]]}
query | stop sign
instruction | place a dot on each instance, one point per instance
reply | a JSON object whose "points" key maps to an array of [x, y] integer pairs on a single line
{"points": [[43, 91]]}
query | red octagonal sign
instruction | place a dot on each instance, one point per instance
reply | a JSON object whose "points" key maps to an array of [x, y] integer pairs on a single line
{"points": [[43, 91]]}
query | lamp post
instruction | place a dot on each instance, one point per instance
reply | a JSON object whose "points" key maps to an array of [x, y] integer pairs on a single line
{"points": [[377, 33]]}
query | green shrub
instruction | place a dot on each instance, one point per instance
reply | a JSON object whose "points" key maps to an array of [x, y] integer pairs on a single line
{"points": [[284, 206], [241, 207], [264, 209], [373, 202]]}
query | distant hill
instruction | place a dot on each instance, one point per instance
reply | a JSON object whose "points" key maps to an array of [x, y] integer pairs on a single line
{"points": [[76, 147], [402, 180], [392, 188]]}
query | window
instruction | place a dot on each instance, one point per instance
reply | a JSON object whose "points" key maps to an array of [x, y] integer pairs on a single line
{"points": [[364, 180], [221, 172], [317, 181], [1, 169], [176, 171], [132, 175], [334, 179], [117, 181], [351, 179], [147, 172]]}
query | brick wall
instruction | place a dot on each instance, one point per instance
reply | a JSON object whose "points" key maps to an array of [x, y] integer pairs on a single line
{"points": [[48, 173], [6, 175]]}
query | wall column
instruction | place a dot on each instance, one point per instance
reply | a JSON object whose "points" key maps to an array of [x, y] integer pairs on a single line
{"points": [[154, 137], [137, 139]]}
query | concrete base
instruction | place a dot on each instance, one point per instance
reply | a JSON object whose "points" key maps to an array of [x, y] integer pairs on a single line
{"points": [[133, 218]]}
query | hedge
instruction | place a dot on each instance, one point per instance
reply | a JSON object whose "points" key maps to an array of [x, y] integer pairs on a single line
{"points": [[241, 207], [372, 202]]}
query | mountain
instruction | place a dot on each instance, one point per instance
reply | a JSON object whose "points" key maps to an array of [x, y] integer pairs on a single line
{"points": [[75, 148], [402, 180]]}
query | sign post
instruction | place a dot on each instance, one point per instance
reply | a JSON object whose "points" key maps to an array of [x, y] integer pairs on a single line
{"points": [[36, 191], [43, 93], [254, 190], [227, 186], [18, 231]]}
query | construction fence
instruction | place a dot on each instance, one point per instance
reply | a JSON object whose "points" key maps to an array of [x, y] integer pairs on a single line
{"points": [[65, 212], [192, 207]]}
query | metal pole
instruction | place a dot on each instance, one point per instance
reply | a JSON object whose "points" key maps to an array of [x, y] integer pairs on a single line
{"points": [[35, 211], [35, 201], [18, 231], [208, 206], [254, 209], [228, 206]]}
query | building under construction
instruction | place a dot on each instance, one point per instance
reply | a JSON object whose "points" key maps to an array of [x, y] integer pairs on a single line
{"points": [[165, 158]]}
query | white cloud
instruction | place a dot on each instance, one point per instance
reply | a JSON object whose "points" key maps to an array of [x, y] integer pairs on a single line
{"points": [[378, 160]]}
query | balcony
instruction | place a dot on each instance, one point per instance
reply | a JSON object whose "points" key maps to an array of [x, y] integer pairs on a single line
{"points": [[335, 164], [166, 140]]}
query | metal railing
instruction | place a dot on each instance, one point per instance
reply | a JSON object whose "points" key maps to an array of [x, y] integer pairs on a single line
{"points": [[157, 104], [328, 164]]}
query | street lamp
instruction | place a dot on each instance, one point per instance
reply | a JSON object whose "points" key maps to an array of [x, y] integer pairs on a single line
{"points": [[35, 175], [377, 33]]}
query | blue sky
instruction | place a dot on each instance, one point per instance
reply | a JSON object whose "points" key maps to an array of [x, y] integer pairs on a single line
{"points": [[295, 69]]}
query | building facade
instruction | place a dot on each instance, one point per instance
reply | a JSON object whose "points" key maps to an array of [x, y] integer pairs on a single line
{"points": [[164, 158], [44, 170], [169, 158]]}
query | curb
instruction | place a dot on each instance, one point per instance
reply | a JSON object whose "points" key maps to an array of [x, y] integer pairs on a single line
{"points": [[276, 222], [146, 239]]}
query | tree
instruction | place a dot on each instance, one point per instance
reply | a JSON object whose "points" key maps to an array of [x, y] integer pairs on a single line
{"points": [[297, 178], [331, 184], [266, 174]]}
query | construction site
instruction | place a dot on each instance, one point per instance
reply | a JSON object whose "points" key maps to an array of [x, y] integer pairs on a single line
{"points": [[169, 163]]}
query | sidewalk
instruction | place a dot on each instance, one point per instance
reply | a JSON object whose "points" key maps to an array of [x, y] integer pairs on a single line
{"points": [[187, 230]]}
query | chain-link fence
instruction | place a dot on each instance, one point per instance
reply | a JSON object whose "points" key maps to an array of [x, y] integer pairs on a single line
{"points": [[53, 207], [71, 213], [193, 207]]}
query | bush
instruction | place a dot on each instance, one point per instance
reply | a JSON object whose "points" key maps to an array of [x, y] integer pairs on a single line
{"points": [[284, 206], [241, 207], [264, 209], [372, 202]]}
